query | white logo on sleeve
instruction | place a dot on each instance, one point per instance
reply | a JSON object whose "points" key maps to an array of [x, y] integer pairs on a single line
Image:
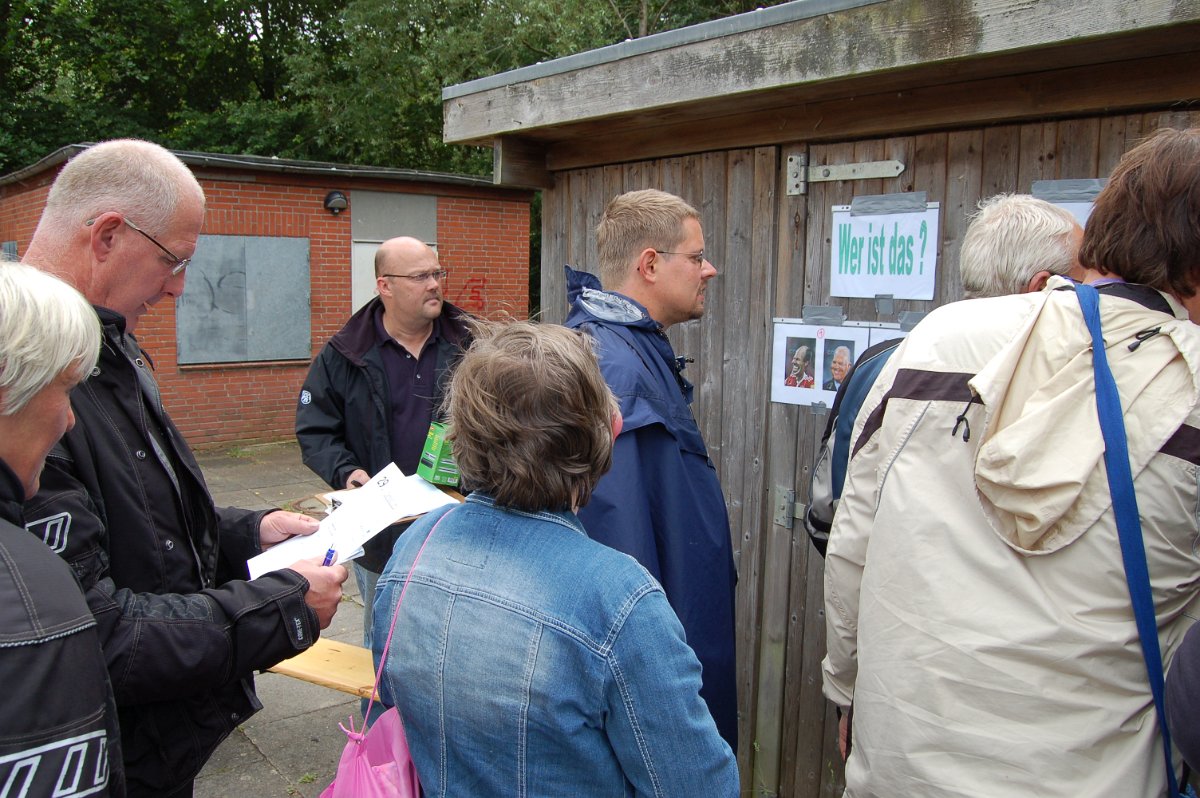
{"points": [[305, 398], [53, 530], [69, 768]]}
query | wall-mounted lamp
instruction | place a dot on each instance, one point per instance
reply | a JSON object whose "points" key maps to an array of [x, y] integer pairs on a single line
{"points": [[335, 202]]}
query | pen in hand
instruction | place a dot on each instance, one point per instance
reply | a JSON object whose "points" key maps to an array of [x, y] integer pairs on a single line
{"points": [[356, 483], [329, 555]]}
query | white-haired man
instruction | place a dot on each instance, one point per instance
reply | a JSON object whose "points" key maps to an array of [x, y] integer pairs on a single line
{"points": [[978, 616], [1013, 245], [123, 500]]}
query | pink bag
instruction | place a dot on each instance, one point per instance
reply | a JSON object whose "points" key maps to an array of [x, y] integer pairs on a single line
{"points": [[375, 762]]}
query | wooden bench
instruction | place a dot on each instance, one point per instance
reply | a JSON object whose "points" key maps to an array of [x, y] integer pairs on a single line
{"points": [[340, 666]]}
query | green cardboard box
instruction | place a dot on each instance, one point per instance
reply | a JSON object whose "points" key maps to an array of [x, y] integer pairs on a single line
{"points": [[437, 461]]}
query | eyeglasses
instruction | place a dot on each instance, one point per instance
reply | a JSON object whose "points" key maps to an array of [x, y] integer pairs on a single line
{"points": [[178, 264], [437, 274], [695, 257]]}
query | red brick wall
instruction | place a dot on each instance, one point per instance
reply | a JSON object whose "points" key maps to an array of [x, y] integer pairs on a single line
{"points": [[20, 209], [246, 402], [483, 239], [481, 242]]}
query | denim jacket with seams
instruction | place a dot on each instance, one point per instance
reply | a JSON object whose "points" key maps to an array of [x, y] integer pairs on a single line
{"points": [[529, 660]]}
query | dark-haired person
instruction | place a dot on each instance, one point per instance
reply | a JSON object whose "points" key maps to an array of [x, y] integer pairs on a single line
{"points": [[58, 727], [977, 609], [529, 660]]}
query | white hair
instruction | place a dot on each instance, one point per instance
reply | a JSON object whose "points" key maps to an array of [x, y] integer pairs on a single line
{"points": [[1012, 238], [137, 178], [47, 328]]}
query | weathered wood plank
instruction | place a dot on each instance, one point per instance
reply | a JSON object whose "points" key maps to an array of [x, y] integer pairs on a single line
{"points": [[707, 181], [973, 38], [1039, 142], [930, 153], [795, 115], [555, 226], [1112, 140], [1078, 145], [759, 541], [791, 229], [964, 175], [735, 299], [520, 162], [1001, 148]]}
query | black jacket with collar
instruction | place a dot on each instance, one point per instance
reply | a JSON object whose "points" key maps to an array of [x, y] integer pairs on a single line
{"points": [[58, 711], [343, 421], [162, 570]]}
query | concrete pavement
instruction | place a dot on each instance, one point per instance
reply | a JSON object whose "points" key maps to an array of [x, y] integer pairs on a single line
{"points": [[290, 749]]}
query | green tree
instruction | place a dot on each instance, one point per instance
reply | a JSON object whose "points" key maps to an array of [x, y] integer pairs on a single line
{"points": [[176, 71], [357, 81]]}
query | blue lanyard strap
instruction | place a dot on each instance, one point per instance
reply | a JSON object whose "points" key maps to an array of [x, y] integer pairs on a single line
{"points": [[1129, 527]]}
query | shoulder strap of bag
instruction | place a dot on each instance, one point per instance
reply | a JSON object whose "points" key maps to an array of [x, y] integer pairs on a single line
{"points": [[1129, 527], [391, 629]]}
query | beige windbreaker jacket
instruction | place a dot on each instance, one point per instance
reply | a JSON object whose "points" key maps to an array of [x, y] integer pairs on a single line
{"points": [[978, 615]]}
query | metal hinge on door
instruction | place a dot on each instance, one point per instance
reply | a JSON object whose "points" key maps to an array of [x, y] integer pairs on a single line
{"points": [[787, 509], [800, 174]]}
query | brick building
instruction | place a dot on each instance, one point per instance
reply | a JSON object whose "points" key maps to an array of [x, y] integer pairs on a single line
{"points": [[279, 268]]}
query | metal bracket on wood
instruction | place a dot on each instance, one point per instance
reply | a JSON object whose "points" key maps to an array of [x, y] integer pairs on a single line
{"points": [[786, 507], [909, 318], [855, 171], [797, 174], [822, 315], [885, 304], [800, 174]]}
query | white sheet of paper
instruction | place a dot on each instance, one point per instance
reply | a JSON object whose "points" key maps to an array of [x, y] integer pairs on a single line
{"points": [[387, 497]]}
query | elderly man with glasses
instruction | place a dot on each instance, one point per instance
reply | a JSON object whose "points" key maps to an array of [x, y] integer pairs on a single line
{"points": [[123, 501], [373, 390], [661, 502]]}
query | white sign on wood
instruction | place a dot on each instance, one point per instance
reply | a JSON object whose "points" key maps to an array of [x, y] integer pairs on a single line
{"points": [[884, 254]]}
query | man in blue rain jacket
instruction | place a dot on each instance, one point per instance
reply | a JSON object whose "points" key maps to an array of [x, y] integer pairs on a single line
{"points": [[662, 501]]}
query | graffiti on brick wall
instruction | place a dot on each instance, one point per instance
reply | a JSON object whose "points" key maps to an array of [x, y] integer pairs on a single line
{"points": [[471, 296]]}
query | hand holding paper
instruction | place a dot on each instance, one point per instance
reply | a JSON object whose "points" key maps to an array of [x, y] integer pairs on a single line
{"points": [[363, 513]]}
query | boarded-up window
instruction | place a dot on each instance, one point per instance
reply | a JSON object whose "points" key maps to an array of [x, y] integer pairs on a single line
{"points": [[247, 299]]}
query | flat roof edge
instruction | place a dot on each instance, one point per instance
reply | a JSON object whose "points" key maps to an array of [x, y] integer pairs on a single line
{"points": [[261, 163], [714, 29]]}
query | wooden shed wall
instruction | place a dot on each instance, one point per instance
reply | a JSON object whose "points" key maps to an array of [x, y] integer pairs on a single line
{"points": [[772, 252]]}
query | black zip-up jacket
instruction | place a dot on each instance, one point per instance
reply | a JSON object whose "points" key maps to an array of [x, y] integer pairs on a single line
{"points": [[58, 725], [124, 503], [342, 419]]}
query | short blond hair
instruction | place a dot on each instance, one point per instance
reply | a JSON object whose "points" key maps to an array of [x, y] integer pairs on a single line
{"points": [[635, 221], [530, 416]]}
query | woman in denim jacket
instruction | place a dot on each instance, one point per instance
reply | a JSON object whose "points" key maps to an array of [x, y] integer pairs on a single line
{"points": [[529, 660]]}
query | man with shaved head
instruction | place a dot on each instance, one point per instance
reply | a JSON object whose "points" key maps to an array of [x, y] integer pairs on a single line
{"points": [[373, 390]]}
